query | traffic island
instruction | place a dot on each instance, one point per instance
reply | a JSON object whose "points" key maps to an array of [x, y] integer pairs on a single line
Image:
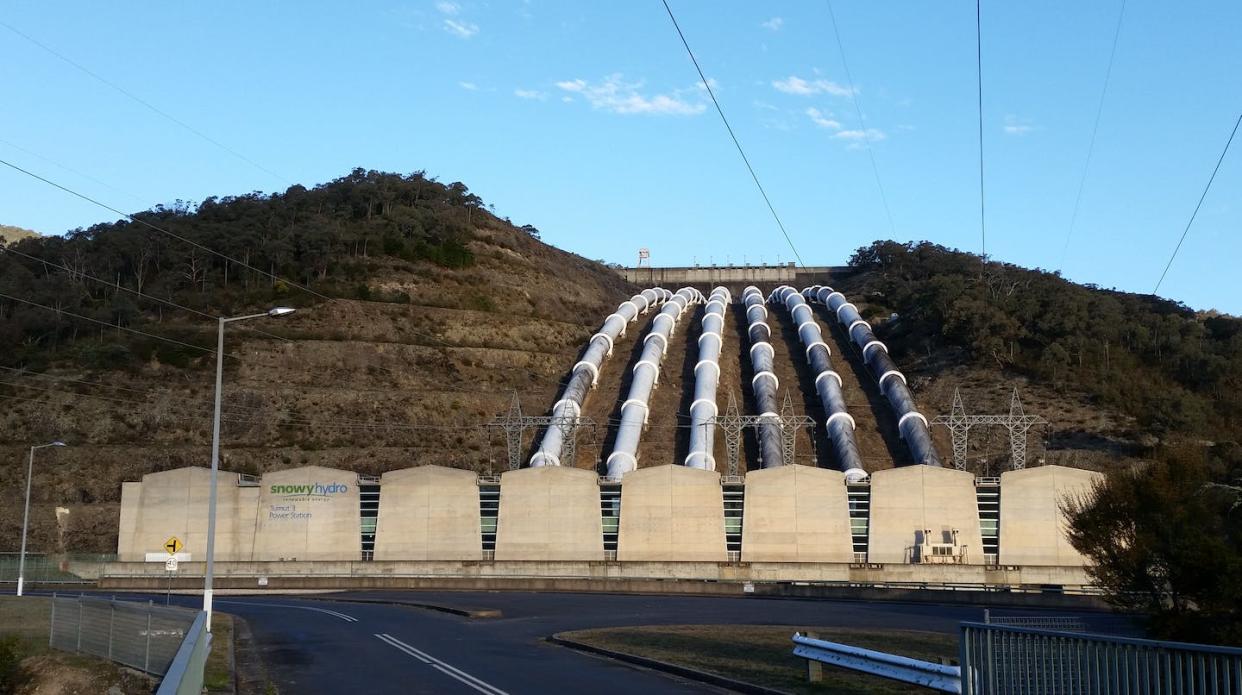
{"points": [[755, 658]]}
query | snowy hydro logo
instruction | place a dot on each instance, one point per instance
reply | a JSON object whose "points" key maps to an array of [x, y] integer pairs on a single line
{"points": [[323, 490]]}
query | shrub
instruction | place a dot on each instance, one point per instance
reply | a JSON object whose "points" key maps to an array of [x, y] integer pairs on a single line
{"points": [[12, 675]]}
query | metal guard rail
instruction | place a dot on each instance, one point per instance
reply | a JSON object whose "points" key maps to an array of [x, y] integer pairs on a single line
{"points": [[186, 672], [943, 678]]}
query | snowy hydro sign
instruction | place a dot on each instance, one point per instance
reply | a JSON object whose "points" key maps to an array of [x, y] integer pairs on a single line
{"points": [[290, 495]]}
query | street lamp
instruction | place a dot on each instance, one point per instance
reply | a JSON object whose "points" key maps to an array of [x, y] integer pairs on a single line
{"points": [[215, 449], [21, 562]]}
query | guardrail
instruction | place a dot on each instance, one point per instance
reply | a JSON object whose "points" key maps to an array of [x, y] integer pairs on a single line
{"points": [[186, 672], [1005, 659], [946, 679]]}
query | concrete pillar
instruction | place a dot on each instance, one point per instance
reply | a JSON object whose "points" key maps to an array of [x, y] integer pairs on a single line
{"points": [[907, 501], [550, 513], [1032, 525], [126, 540], [796, 514], [308, 513], [671, 513], [428, 513], [174, 503]]}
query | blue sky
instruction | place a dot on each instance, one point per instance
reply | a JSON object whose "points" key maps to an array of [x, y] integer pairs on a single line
{"points": [[587, 120]]}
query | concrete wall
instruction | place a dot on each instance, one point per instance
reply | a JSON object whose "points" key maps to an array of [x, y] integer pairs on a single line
{"points": [[1032, 527], [131, 502], [796, 514], [661, 574], [174, 503], [709, 276], [308, 513], [905, 501], [671, 513], [549, 513], [428, 513]]}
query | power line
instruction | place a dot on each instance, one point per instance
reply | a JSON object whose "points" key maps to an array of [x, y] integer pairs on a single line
{"points": [[71, 170], [291, 283], [1082, 181], [110, 325], [983, 229], [146, 104], [738, 145], [144, 223], [862, 123], [118, 286], [1199, 204]]}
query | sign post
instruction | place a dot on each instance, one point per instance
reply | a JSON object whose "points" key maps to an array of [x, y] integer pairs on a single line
{"points": [[173, 546]]}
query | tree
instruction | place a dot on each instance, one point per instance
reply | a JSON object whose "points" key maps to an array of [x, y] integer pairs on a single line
{"points": [[1166, 539]]}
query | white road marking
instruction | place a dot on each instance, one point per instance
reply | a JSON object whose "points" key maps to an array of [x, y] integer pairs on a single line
{"points": [[335, 614], [442, 667]]}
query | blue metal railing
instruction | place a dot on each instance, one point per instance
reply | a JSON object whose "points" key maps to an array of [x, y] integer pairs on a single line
{"points": [[185, 673], [1006, 659]]}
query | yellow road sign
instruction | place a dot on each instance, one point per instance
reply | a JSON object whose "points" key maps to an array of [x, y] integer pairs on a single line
{"points": [[173, 545]]}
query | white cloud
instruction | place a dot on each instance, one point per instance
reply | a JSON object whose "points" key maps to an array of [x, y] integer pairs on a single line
{"points": [[796, 85], [468, 86], [773, 24], [448, 8], [529, 94], [823, 120], [871, 134], [616, 95], [567, 99], [462, 30], [1017, 126]]}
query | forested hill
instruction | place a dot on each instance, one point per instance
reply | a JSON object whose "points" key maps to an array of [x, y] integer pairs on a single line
{"points": [[369, 236], [1175, 370], [11, 233]]}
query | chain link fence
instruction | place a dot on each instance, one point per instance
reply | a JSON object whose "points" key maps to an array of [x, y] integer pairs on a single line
{"points": [[143, 636], [60, 568]]}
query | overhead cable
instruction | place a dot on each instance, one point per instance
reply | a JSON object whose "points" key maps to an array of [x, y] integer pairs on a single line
{"points": [[707, 85]]}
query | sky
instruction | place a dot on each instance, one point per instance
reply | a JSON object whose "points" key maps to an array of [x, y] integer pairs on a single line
{"points": [[589, 121]]}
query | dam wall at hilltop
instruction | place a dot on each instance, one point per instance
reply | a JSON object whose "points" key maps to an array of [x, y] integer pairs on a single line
{"points": [[734, 276]]}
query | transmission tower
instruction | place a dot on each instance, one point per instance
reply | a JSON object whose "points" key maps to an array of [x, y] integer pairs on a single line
{"points": [[514, 424], [1017, 422], [732, 423]]}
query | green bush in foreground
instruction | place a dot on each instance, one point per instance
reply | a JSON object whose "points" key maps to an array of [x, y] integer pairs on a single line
{"points": [[12, 675]]}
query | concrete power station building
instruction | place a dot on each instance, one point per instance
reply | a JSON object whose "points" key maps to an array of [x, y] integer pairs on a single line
{"points": [[915, 523]]}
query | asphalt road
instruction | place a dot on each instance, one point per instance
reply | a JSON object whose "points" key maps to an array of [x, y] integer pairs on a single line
{"points": [[312, 646]]}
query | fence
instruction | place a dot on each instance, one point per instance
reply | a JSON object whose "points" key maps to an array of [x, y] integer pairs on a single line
{"points": [[65, 568], [1007, 659], [139, 635]]}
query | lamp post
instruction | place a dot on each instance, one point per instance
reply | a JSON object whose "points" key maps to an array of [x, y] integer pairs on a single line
{"points": [[21, 562], [215, 450]]}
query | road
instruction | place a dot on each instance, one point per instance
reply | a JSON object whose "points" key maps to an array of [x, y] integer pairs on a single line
{"points": [[312, 646]]}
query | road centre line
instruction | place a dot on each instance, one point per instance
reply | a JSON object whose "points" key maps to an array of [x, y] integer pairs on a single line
{"points": [[445, 668]]}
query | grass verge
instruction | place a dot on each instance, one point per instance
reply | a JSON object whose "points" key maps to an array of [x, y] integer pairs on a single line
{"points": [[763, 654], [218, 677]]}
